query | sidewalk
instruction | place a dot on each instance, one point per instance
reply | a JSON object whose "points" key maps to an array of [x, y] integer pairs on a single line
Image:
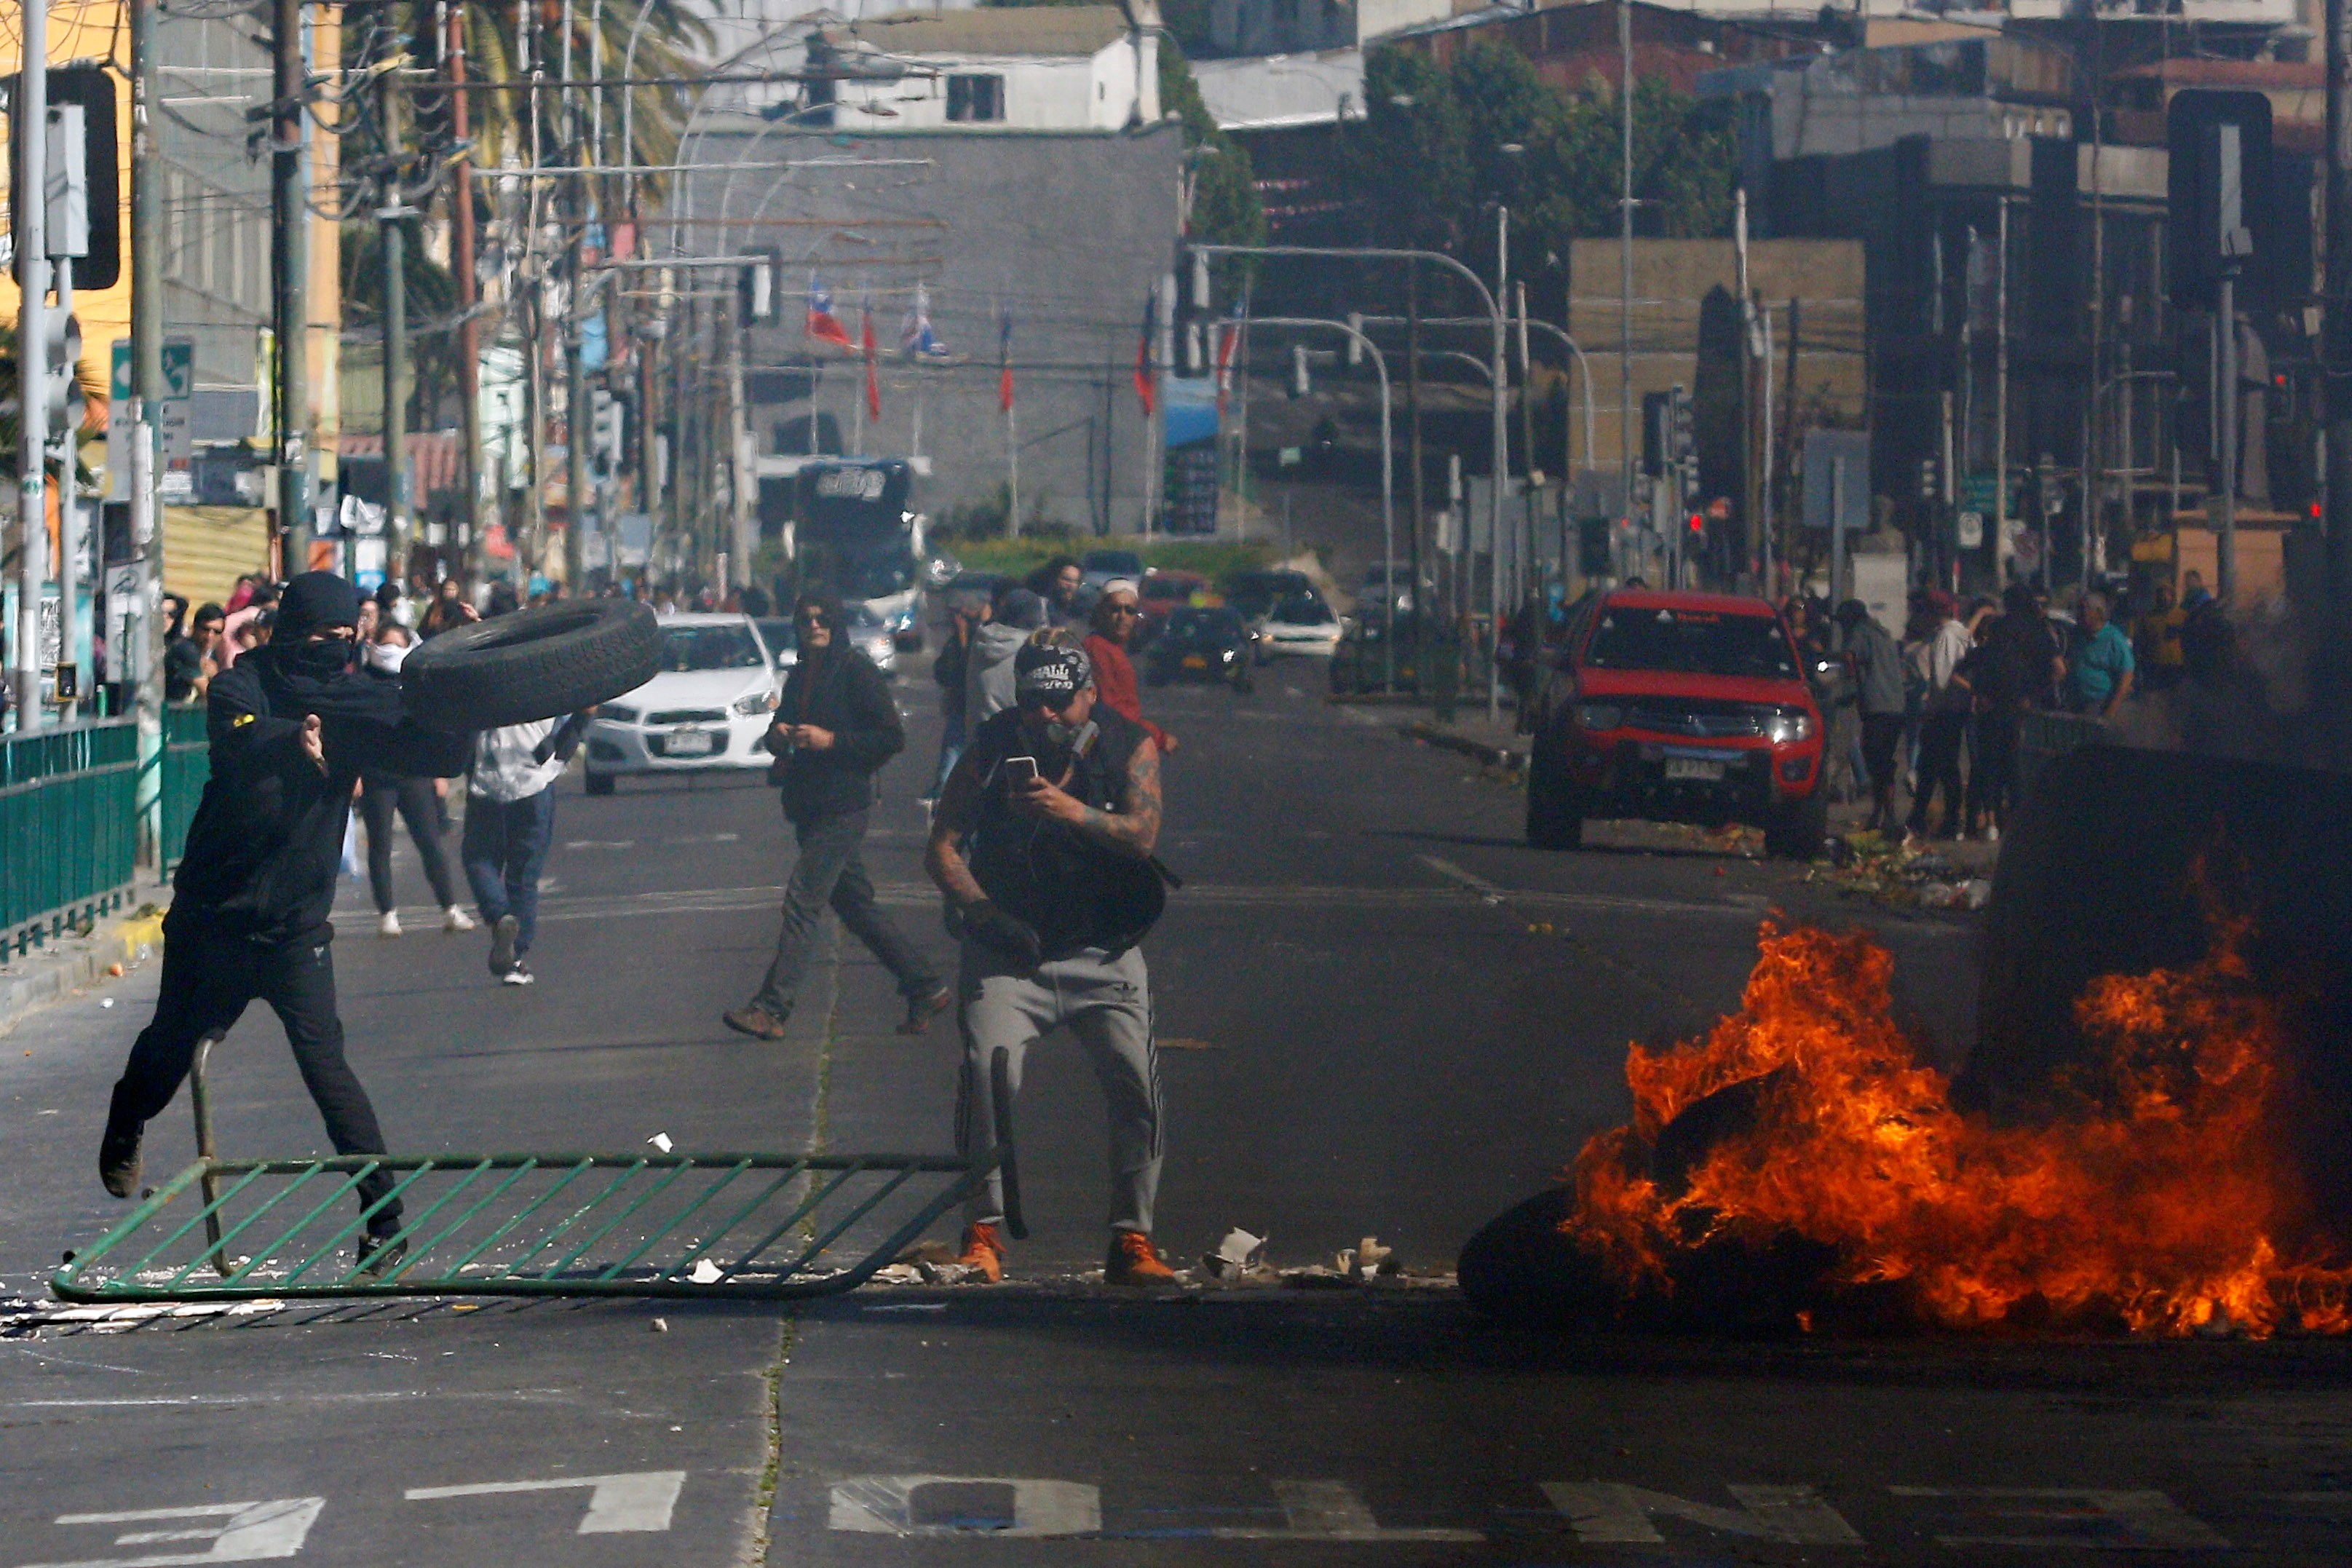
{"points": [[61, 968], [1497, 745]]}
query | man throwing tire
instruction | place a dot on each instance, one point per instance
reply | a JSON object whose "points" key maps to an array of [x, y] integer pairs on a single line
{"points": [[1042, 845], [292, 729]]}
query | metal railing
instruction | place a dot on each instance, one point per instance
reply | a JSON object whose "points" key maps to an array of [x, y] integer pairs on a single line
{"points": [[759, 1226], [186, 760], [68, 829]]}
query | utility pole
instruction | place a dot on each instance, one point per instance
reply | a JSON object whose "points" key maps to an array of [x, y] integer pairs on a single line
{"points": [[32, 119], [289, 256], [146, 397], [470, 336], [399, 521], [1420, 608], [575, 326], [1625, 258], [2336, 339]]}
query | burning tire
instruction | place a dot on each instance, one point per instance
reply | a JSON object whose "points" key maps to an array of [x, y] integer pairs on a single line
{"points": [[534, 664]]}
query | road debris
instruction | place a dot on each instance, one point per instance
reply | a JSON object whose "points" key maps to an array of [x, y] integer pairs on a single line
{"points": [[1238, 1256], [1884, 870], [661, 1142]]}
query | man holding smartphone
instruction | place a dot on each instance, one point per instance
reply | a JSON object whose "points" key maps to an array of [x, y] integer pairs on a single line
{"points": [[834, 728], [1043, 844]]}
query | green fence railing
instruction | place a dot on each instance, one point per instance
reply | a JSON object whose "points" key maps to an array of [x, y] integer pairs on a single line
{"points": [[68, 829], [187, 764]]}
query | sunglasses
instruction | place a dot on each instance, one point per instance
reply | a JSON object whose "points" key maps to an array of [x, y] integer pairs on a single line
{"points": [[811, 618]]}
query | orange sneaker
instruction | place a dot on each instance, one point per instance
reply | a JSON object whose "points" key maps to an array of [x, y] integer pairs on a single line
{"points": [[984, 1251], [1133, 1260]]}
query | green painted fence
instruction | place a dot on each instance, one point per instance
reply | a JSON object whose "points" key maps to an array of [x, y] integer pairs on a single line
{"points": [[187, 764], [69, 830]]}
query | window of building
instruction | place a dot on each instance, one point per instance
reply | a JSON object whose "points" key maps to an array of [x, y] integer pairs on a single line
{"points": [[975, 98]]}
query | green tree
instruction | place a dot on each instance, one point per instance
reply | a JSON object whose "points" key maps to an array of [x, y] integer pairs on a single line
{"points": [[1225, 209]]}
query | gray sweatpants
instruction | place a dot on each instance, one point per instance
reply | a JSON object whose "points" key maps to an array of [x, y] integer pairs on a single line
{"points": [[1106, 1003]]}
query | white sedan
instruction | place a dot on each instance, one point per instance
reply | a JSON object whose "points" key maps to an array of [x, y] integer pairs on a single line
{"points": [[1299, 624], [708, 709]]}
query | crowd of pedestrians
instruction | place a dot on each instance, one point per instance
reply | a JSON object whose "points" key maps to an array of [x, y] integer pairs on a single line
{"points": [[1938, 712]]}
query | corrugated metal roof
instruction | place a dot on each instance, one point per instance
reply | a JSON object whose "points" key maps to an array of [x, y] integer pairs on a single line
{"points": [[207, 548], [1071, 30]]}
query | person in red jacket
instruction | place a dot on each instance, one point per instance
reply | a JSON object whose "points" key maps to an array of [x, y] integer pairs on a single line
{"points": [[1117, 611]]}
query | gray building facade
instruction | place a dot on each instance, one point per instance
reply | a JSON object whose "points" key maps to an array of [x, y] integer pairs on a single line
{"points": [[1066, 234]]}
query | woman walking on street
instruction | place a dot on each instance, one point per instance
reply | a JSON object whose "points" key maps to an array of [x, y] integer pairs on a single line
{"points": [[418, 803]]}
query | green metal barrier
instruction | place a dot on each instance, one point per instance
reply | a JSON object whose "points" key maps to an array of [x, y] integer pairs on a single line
{"points": [[186, 763], [750, 1225], [68, 834]]}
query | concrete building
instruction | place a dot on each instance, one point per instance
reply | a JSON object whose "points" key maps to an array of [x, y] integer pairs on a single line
{"points": [[1070, 67], [1298, 26]]}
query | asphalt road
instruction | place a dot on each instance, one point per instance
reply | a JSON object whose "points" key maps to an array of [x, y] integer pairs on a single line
{"points": [[1387, 1018]]}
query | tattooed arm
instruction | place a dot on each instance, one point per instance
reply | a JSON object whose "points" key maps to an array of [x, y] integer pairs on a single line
{"points": [[1133, 829]]}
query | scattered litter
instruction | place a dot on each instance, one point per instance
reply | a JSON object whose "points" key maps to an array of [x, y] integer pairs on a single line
{"points": [[106, 1002], [950, 1273], [660, 1140], [1875, 867], [115, 970], [897, 1274], [1978, 891], [908, 1306], [706, 1272], [1239, 1256], [658, 1326]]}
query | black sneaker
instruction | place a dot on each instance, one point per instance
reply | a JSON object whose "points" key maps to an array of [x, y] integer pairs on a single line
{"points": [[502, 944], [380, 1255], [118, 1151]]}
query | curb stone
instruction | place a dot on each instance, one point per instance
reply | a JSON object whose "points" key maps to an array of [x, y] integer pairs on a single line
{"points": [[46, 977]]}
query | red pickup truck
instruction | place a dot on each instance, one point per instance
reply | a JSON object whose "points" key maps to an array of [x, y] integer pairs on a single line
{"points": [[1680, 708]]}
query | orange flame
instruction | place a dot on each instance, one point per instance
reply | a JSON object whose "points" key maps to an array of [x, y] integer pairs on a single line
{"points": [[2167, 1208]]}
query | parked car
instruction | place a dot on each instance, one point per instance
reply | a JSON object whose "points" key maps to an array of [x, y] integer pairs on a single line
{"points": [[1377, 582], [1201, 644], [1097, 567], [709, 708], [1360, 664], [1300, 623], [1680, 708], [1162, 592], [782, 641], [1254, 593], [870, 636]]}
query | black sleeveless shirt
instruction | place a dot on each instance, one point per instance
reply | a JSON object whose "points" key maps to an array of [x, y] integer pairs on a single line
{"points": [[1073, 892]]}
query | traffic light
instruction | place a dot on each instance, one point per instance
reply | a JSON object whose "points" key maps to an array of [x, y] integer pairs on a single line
{"points": [[1355, 339], [1300, 382], [758, 286], [1930, 478], [2219, 188]]}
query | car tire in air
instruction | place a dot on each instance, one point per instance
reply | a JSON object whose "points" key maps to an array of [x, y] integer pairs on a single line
{"points": [[533, 664]]}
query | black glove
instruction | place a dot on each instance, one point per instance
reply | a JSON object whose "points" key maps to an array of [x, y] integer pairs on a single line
{"points": [[1010, 935]]}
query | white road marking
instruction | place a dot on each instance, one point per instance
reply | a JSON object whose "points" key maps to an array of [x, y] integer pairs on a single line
{"points": [[248, 1532], [1611, 1513], [1448, 869], [636, 1503], [885, 1505], [1331, 1511], [2138, 1519]]}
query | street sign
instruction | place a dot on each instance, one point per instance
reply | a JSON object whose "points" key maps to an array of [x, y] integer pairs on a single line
{"points": [[1837, 476], [1971, 530], [179, 368]]}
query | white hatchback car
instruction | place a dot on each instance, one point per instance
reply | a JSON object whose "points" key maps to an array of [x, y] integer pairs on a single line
{"points": [[709, 708], [1298, 624]]}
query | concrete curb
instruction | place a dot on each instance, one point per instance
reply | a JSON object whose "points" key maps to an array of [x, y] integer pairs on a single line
{"points": [[86, 961], [1493, 756]]}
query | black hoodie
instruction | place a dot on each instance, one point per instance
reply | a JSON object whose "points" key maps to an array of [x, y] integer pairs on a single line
{"points": [[268, 840]]}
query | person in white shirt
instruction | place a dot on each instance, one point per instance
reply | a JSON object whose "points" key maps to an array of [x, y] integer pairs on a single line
{"points": [[1943, 729], [510, 822]]}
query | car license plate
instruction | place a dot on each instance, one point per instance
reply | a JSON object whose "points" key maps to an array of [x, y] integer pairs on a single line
{"points": [[1695, 768], [1195, 662], [698, 744]]}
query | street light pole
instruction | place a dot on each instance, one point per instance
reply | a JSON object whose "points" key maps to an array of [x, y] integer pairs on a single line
{"points": [[31, 124], [290, 254], [2337, 340], [1388, 481]]}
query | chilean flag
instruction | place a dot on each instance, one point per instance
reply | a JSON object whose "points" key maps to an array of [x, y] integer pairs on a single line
{"points": [[917, 339], [1144, 388], [823, 324], [1004, 362]]}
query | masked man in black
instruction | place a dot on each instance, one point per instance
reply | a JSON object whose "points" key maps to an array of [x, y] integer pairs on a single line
{"points": [[292, 727]]}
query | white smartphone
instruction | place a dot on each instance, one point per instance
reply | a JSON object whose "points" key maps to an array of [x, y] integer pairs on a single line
{"points": [[1021, 770]]}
